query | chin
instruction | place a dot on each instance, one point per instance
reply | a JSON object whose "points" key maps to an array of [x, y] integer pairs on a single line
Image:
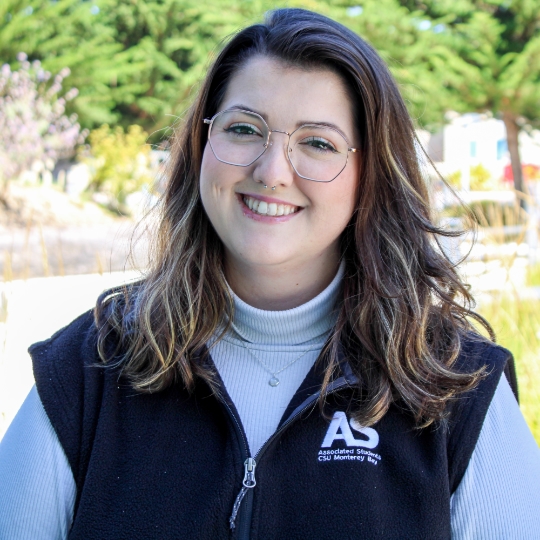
{"points": [[265, 257]]}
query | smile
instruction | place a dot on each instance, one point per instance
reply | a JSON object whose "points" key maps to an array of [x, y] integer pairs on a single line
{"points": [[264, 208]]}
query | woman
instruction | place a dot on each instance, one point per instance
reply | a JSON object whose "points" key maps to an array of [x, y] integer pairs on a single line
{"points": [[298, 362]]}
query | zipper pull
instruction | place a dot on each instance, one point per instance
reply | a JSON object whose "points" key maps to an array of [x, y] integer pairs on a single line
{"points": [[249, 482], [249, 474]]}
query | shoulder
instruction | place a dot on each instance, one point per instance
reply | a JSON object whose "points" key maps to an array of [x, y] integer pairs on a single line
{"points": [[59, 361], [60, 355], [477, 352], [69, 380], [467, 412], [500, 491], [77, 335]]}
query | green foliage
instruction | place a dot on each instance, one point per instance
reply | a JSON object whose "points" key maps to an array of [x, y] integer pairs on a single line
{"points": [[119, 162], [169, 45], [141, 61], [491, 55], [497, 68], [414, 54], [166, 45], [480, 178], [66, 33]]}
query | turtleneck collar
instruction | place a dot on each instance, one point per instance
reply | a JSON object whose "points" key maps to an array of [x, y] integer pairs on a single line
{"points": [[292, 326]]}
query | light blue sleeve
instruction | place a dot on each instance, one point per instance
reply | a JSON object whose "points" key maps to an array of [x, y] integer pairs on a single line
{"points": [[37, 489], [499, 496]]}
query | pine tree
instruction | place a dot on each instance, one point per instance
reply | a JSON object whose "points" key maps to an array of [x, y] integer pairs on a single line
{"points": [[66, 33], [169, 44], [492, 61], [412, 51]]}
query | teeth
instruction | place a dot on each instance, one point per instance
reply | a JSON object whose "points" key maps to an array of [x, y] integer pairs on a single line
{"points": [[271, 209]]}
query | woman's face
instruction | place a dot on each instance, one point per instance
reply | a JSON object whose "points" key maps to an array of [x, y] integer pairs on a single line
{"points": [[286, 97]]}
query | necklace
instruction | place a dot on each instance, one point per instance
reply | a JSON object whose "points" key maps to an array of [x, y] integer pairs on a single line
{"points": [[273, 381]]}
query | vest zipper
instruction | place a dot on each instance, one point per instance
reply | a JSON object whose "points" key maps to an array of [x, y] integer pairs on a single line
{"points": [[249, 482], [250, 463], [245, 521]]}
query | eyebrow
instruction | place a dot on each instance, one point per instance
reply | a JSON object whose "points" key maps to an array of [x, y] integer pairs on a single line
{"points": [[240, 106]]}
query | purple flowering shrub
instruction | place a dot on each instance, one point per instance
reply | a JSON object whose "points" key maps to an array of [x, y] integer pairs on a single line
{"points": [[33, 123]]}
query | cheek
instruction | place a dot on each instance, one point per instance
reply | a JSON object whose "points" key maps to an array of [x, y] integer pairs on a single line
{"points": [[346, 195], [212, 179], [207, 185], [337, 205], [208, 169], [216, 177]]}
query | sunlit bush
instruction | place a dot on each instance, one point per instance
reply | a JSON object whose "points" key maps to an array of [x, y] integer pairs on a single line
{"points": [[480, 179], [119, 164]]}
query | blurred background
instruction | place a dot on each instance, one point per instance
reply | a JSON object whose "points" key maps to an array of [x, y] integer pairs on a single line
{"points": [[92, 90]]}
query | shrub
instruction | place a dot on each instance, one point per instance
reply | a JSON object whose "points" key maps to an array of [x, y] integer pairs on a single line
{"points": [[33, 124], [119, 163], [480, 179]]}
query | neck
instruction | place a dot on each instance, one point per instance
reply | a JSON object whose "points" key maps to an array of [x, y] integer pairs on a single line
{"points": [[280, 287], [291, 327]]}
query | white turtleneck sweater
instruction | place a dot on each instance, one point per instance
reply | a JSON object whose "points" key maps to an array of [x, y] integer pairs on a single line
{"points": [[263, 343], [498, 498]]}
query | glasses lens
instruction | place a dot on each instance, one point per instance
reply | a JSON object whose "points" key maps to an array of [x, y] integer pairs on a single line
{"points": [[318, 153], [238, 137]]}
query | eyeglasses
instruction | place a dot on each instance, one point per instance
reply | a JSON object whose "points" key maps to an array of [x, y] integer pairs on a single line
{"points": [[316, 152]]}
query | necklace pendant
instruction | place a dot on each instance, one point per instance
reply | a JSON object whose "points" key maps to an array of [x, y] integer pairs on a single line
{"points": [[274, 381]]}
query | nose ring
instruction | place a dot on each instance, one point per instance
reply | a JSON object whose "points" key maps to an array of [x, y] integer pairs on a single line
{"points": [[266, 187]]}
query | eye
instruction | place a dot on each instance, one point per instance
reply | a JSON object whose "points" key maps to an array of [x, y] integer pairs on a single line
{"points": [[241, 128], [319, 143]]}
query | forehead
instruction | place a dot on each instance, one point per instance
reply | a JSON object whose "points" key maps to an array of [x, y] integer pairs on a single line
{"points": [[286, 95]]}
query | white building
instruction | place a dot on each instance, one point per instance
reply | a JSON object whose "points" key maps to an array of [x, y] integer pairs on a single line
{"points": [[473, 139]]}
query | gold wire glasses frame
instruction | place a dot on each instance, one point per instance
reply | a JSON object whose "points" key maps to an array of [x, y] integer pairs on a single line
{"points": [[241, 143]]}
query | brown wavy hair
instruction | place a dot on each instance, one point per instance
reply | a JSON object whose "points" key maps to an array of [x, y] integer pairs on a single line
{"points": [[404, 311]]}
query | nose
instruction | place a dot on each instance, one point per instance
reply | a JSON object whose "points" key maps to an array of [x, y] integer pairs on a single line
{"points": [[273, 168]]}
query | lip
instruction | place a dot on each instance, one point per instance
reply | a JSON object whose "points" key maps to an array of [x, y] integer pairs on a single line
{"points": [[268, 199], [264, 219]]}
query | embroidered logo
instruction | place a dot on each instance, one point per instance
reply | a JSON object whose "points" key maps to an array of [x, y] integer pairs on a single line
{"points": [[340, 430]]}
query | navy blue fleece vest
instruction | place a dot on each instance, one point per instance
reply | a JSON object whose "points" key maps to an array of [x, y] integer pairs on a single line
{"points": [[170, 465]]}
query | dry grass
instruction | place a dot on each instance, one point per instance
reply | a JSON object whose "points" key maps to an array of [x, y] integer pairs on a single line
{"points": [[517, 325], [513, 310]]}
